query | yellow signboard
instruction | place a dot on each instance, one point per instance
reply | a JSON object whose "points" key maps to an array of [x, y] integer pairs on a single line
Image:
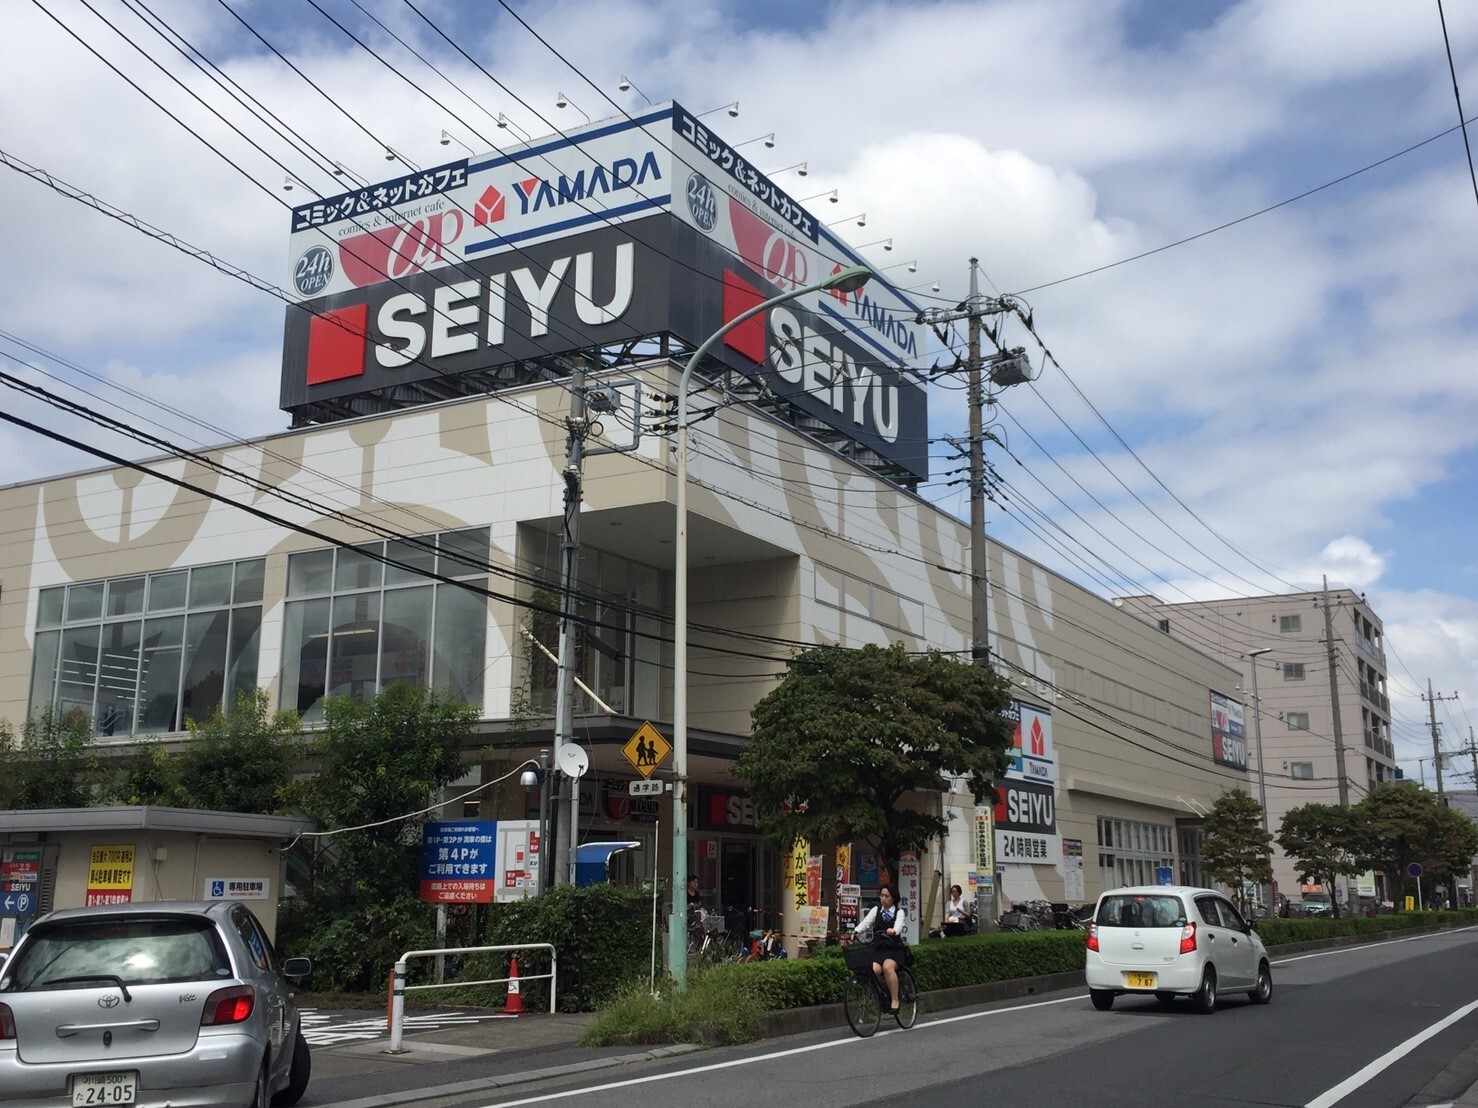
{"points": [[646, 750], [110, 875]]}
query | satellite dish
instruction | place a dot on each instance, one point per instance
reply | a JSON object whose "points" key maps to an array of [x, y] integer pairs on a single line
{"points": [[571, 760]]}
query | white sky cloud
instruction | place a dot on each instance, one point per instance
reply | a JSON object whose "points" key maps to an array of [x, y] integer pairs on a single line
{"points": [[1303, 379]]}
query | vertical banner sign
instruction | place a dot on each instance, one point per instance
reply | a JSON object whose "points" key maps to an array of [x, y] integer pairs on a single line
{"points": [[813, 880], [795, 872], [1072, 869], [110, 875], [908, 889], [1228, 732], [1026, 798]]}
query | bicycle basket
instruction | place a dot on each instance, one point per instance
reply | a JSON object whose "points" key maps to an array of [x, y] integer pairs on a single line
{"points": [[858, 956], [713, 923]]}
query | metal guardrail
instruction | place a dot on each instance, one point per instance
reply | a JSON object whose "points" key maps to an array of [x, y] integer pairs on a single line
{"points": [[400, 988]]}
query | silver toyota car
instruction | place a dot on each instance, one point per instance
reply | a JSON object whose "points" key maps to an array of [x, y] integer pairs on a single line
{"points": [[148, 1005]]}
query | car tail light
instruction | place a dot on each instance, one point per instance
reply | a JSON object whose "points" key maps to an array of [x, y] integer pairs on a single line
{"points": [[232, 1004], [1188, 938], [1093, 936], [7, 1023]]}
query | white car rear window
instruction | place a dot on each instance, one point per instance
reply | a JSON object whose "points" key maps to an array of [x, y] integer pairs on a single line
{"points": [[1141, 910]]}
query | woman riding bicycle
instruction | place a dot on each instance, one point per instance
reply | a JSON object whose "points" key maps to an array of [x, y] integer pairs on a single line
{"points": [[889, 925]]}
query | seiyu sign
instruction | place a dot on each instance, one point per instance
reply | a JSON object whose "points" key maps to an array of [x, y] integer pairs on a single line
{"points": [[1228, 732], [1025, 813], [619, 230], [599, 287]]}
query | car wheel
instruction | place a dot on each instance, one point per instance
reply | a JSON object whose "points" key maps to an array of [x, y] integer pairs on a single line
{"points": [[259, 1098], [1103, 1000], [1263, 991], [297, 1075], [1166, 999], [1204, 998]]}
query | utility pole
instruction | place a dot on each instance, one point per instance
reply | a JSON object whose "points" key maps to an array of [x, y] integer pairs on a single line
{"points": [[1008, 367], [1432, 700], [578, 427], [1339, 739]]}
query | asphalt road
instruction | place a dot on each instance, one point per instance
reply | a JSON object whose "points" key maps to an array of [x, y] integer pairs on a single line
{"points": [[1381, 1026]]}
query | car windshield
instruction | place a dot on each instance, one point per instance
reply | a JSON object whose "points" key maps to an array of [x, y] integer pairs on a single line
{"points": [[1140, 910], [136, 951]]}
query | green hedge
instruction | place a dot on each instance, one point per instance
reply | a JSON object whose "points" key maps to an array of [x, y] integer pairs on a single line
{"points": [[602, 936]]}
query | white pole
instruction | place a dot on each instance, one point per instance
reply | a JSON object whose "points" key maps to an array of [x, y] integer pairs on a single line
{"points": [[845, 280], [397, 1009]]}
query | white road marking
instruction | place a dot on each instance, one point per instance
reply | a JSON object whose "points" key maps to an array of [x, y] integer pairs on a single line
{"points": [[1353, 1082]]}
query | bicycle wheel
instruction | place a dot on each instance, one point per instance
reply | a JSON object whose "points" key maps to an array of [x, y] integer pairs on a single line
{"points": [[908, 1000], [864, 1009]]}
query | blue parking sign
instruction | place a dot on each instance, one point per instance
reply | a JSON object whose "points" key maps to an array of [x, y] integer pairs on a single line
{"points": [[217, 888]]}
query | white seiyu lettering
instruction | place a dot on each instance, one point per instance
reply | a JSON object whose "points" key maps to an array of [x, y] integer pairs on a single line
{"points": [[460, 313], [830, 373], [396, 322], [445, 317], [540, 294], [591, 312]]}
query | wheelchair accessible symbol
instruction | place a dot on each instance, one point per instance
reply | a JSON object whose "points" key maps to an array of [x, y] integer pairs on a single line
{"points": [[217, 888]]}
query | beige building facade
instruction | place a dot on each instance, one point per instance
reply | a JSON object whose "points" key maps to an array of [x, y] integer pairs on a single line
{"points": [[424, 545], [1323, 741]]}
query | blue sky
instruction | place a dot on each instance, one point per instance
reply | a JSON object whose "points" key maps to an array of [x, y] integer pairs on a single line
{"points": [[1303, 380]]}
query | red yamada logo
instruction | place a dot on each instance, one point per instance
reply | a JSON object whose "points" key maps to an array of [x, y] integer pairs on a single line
{"points": [[490, 207]]}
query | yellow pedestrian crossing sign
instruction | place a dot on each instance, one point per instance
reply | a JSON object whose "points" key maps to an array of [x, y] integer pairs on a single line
{"points": [[646, 750]]}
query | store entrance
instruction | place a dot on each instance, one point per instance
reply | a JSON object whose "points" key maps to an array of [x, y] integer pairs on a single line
{"points": [[733, 877]]}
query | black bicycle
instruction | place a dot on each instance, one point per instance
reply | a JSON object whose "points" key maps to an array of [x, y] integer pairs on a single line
{"points": [[867, 993]]}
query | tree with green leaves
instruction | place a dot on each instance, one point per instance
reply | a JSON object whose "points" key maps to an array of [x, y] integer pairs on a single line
{"points": [[378, 764], [1234, 847], [244, 761], [1323, 842], [851, 739], [1401, 823], [1453, 844], [49, 764]]}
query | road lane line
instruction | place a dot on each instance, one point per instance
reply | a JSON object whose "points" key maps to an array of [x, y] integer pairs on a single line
{"points": [[849, 1041], [1354, 1081]]}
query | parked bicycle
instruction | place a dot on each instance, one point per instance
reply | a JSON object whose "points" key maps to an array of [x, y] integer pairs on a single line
{"points": [[711, 940], [867, 995]]}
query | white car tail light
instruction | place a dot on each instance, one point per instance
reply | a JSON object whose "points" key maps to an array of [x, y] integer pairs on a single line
{"points": [[1093, 936], [7, 1023]]}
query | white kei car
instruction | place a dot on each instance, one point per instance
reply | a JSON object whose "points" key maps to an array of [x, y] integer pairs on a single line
{"points": [[1168, 941]]}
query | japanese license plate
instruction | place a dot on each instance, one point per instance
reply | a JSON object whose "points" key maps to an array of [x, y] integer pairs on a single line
{"points": [[1140, 980], [93, 1089]]}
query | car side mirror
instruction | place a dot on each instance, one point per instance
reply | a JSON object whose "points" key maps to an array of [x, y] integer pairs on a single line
{"points": [[297, 967]]}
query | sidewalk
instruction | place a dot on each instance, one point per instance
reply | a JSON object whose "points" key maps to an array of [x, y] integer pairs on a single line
{"points": [[464, 1059]]}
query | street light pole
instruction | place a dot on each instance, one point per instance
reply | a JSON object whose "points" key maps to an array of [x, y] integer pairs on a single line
{"points": [[845, 281], [1262, 777]]}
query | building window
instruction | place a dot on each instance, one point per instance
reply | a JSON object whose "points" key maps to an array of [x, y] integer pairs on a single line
{"points": [[1301, 771], [1131, 852], [144, 654], [612, 642], [354, 623], [1297, 721], [1287, 624], [1164, 626], [1293, 671]]}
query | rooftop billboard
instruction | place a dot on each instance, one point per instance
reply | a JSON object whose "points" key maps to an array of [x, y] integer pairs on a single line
{"points": [[623, 229]]}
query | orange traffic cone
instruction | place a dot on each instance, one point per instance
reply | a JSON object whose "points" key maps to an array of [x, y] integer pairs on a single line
{"points": [[514, 1004]]}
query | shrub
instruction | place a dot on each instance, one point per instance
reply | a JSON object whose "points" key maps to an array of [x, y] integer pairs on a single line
{"points": [[717, 1007], [602, 938]]}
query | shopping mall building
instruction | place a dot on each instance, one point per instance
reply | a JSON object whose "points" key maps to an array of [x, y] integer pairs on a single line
{"points": [[482, 345]]}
